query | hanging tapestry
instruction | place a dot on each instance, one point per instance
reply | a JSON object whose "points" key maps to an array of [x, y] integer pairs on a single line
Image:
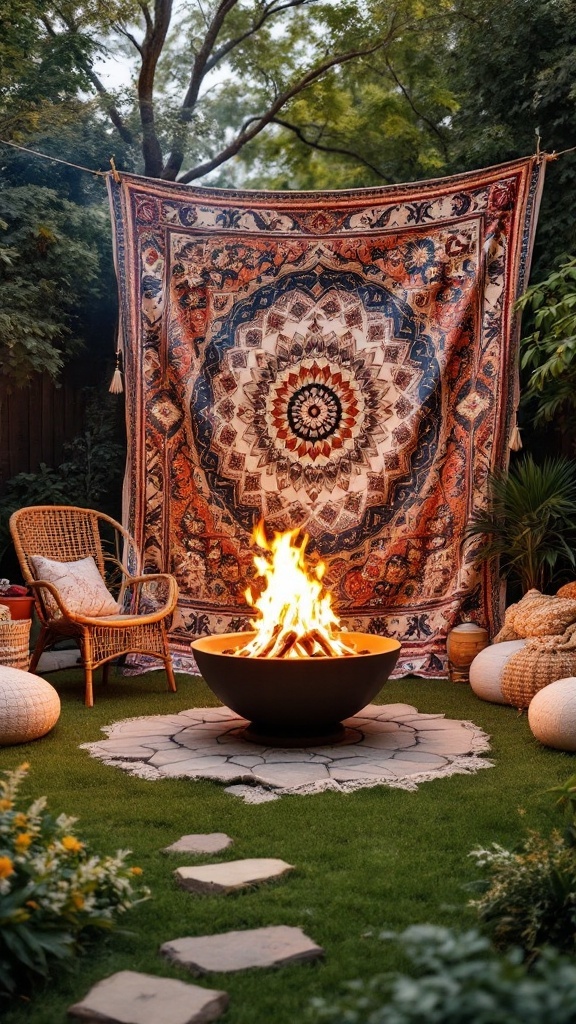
{"points": [[340, 362]]}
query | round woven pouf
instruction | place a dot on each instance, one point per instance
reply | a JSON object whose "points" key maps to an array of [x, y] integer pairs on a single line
{"points": [[552, 714], [29, 706], [487, 668]]}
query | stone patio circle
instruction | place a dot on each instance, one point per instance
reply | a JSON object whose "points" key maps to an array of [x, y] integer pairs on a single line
{"points": [[274, 946], [389, 744], [207, 842], [129, 997], [233, 874]]}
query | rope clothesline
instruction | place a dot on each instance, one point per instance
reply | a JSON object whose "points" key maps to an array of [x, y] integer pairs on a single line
{"points": [[55, 159], [104, 174]]}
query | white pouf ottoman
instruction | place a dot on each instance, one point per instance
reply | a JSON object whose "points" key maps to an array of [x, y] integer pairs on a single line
{"points": [[552, 714], [29, 706], [487, 668]]}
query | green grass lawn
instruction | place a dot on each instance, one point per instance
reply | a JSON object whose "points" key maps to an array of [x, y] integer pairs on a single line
{"points": [[378, 858]]}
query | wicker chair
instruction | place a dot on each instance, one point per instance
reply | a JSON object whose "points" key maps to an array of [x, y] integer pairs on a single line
{"points": [[65, 533]]}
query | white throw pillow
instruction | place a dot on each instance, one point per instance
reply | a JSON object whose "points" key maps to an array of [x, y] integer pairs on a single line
{"points": [[79, 584]]}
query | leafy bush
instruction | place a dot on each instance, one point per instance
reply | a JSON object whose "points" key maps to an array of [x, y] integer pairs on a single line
{"points": [[459, 980], [53, 893], [529, 897], [529, 523], [549, 350]]}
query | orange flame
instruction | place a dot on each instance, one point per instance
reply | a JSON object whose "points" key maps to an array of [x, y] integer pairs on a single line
{"points": [[295, 617]]}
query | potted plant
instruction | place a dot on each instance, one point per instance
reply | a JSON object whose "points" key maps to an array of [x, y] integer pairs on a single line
{"points": [[529, 523], [17, 599]]}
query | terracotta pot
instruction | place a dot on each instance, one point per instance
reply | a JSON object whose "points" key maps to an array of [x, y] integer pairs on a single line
{"points": [[463, 643], [20, 607]]}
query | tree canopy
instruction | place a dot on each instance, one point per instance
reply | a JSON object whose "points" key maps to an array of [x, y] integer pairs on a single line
{"points": [[271, 93]]}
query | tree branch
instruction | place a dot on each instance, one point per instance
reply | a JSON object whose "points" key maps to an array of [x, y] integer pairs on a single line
{"points": [[315, 144], [109, 104], [206, 59], [265, 119], [152, 44], [174, 162], [433, 127], [123, 31], [269, 11]]}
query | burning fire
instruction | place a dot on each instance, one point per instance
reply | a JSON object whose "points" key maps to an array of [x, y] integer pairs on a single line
{"points": [[295, 616]]}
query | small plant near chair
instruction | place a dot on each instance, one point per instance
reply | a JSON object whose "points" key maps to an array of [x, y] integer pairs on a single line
{"points": [[17, 599]]}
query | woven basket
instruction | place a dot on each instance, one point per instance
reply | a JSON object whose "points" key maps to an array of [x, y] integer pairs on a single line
{"points": [[531, 669], [15, 643]]}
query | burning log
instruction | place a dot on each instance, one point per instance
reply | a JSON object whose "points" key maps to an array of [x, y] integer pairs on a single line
{"points": [[285, 647], [285, 644], [306, 644], [316, 636], [266, 651], [295, 618]]}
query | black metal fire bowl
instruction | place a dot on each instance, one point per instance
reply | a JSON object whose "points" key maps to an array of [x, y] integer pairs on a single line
{"points": [[295, 701]]}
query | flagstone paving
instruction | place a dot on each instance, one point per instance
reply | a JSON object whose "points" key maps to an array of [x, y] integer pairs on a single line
{"points": [[393, 745], [274, 946], [231, 875], [210, 842], [129, 997]]}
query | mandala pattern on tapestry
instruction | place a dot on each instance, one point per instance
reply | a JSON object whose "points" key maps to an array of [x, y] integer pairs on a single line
{"points": [[344, 364]]}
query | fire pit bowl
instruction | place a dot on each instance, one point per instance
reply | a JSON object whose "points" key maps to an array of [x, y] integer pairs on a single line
{"points": [[295, 701]]}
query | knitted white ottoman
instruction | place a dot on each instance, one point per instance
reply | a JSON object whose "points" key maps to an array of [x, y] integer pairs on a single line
{"points": [[29, 706], [487, 668], [552, 714]]}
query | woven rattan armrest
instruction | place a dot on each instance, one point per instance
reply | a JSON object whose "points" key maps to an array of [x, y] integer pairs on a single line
{"points": [[46, 585]]}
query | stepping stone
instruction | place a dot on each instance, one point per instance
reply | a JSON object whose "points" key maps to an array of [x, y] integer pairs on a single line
{"points": [[237, 951], [133, 998], [234, 874], [210, 842]]}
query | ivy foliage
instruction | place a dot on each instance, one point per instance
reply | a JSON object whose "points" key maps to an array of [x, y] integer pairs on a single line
{"points": [[549, 346]]}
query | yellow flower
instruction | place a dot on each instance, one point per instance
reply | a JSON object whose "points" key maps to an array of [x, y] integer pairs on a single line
{"points": [[20, 820], [22, 841], [5, 804], [78, 900], [24, 766], [135, 871], [71, 844], [6, 867]]}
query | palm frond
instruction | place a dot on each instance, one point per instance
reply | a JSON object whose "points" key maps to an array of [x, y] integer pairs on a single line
{"points": [[529, 522]]}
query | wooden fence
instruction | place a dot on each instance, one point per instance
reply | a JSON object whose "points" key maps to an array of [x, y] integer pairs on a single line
{"points": [[36, 421]]}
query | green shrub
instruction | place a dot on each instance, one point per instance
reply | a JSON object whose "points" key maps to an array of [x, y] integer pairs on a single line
{"points": [[53, 892], [529, 896], [459, 980]]}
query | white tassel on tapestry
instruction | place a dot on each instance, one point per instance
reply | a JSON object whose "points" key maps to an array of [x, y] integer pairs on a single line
{"points": [[116, 385], [515, 438]]}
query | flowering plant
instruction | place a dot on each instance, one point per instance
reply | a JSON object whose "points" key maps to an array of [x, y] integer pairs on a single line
{"points": [[53, 892], [8, 589], [528, 895]]}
